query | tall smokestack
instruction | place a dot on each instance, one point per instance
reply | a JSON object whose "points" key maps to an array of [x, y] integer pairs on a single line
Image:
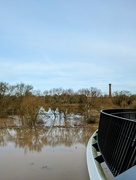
{"points": [[110, 95]]}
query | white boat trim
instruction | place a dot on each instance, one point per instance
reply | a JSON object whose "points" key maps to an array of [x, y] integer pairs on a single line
{"points": [[94, 168]]}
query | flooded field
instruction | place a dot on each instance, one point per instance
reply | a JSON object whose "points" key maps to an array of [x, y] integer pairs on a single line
{"points": [[42, 152]]}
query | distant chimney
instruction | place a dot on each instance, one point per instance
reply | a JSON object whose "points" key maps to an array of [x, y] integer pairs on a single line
{"points": [[110, 95]]}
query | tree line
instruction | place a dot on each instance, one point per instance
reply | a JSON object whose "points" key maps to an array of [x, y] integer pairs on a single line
{"points": [[23, 100]]}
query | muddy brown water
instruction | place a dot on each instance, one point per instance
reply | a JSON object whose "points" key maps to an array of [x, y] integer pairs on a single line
{"points": [[42, 153]]}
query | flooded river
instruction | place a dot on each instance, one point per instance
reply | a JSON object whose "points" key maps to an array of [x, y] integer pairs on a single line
{"points": [[44, 153]]}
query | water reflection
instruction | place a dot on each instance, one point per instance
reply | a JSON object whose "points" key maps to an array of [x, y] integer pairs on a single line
{"points": [[44, 153], [53, 150], [35, 138]]}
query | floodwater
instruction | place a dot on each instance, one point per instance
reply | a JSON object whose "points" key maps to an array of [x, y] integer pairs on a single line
{"points": [[44, 153]]}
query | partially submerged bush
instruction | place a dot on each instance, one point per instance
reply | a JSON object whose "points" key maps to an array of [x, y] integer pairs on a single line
{"points": [[29, 110], [92, 120], [39, 121], [93, 116]]}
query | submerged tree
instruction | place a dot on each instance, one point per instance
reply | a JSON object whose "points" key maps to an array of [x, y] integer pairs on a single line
{"points": [[29, 110]]}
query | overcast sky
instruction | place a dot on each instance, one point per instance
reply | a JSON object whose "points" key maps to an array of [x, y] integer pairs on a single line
{"points": [[68, 43]]}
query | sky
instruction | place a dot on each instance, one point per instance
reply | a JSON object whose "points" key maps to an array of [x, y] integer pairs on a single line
{"points": [[68, 43]]}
